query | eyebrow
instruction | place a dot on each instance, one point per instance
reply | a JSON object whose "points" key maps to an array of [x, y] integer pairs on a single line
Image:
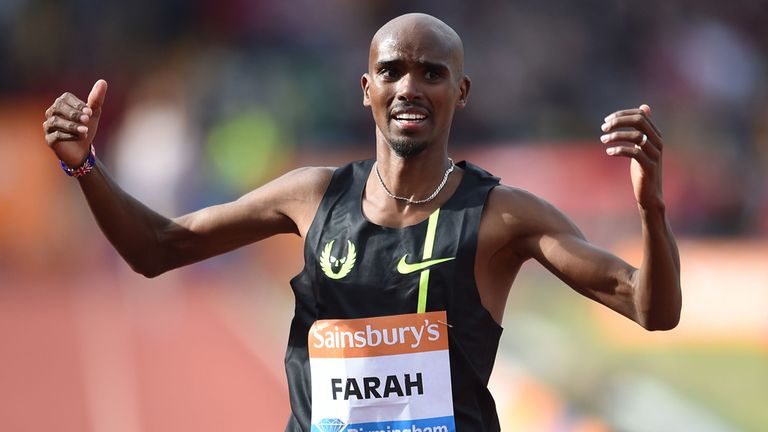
{"points": [[381, 64]]}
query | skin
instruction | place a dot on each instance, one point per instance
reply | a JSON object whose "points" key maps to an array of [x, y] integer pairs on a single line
{"points": [[415, 67]]}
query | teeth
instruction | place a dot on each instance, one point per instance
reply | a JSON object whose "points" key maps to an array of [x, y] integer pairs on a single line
{"points": [[409, 116]]}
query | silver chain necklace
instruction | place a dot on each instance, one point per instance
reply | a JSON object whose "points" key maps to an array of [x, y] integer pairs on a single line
{"points": [[412, 201]]}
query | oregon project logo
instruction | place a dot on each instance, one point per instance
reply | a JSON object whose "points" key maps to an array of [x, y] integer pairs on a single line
{"points": [[337, 268]]}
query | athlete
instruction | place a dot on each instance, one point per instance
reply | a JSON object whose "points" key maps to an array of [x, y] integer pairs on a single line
{"points": [[409, 258]]}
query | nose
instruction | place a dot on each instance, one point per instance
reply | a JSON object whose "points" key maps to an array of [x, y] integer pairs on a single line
{"points": [[408, 88]]}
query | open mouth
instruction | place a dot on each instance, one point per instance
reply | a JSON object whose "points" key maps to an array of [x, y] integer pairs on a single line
{"points": [[409, 119]]}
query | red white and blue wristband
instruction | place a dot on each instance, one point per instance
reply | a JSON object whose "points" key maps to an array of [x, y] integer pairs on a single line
{"points": [[83, 169]]}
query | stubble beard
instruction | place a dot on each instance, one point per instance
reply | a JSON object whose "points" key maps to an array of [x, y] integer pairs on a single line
{"points": [[407, 147]]}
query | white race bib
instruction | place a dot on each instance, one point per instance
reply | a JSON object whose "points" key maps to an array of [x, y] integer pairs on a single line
{"points": [[388, 374]]}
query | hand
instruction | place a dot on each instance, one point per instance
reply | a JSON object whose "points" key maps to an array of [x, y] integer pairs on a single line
{"points": [[71, 124], [630, 127]]}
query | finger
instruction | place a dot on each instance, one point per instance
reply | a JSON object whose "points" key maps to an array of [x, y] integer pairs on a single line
{"points": [[635, 137], [72, 100], [59, 136], [622, 113], [635, 121], [97, 95], [630, 152], [57, 123], [64, 108], [644, 110]]}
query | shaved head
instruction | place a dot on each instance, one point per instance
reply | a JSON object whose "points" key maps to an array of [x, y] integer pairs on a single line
{"points": [[419, 28], [415, 82]]}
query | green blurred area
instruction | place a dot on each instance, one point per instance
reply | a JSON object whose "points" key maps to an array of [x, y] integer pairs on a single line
{"points": [[730, 381], [247, 149], [727, 379]]}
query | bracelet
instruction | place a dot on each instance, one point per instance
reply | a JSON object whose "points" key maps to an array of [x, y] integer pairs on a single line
{"points": [[83, 169]]}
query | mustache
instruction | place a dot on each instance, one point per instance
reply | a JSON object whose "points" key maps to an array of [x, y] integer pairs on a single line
{"points": [[408, 106]]}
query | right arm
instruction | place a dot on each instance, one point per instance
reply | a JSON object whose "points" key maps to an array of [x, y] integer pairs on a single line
{"points": [[153, 244]]}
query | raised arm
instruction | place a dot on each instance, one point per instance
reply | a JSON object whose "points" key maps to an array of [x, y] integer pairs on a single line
{"points": [[152, 243], [649, 295], [658, 278]]}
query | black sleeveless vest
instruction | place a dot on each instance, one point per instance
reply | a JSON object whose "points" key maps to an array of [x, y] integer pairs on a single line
{"points": [[373, 287]]}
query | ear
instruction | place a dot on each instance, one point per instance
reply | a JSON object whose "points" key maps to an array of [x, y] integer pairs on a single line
{"points": [[364, 82], [464, 86]]}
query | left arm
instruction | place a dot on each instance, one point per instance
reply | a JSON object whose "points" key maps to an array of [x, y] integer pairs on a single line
{"points": [[649, 295], [658, 296]]}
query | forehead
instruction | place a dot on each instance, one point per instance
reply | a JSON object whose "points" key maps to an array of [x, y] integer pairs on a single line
{"points": [[416, 44]]}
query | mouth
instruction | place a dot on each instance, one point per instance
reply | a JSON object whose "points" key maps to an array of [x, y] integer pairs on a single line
{"points": [[409, 118]]}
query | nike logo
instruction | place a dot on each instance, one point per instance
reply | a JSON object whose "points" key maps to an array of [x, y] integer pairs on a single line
{"points": [[405, 268]]}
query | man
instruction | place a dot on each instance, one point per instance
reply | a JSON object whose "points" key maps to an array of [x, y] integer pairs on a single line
{"points": [[408, 259]]}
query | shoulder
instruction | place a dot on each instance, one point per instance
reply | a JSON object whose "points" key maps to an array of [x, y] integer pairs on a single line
{"points": [[295, 195], [513, 216], [515, 205], [300, 183], [312, 181]]}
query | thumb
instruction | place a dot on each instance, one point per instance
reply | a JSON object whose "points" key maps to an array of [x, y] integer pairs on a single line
{"points": [[646, 109], [97, 95]]}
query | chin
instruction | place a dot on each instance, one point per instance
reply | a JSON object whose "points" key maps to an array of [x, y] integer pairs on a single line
{"points": [[407, 147]]}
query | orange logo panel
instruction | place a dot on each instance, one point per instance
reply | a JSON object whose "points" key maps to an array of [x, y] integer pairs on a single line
{"points": [[379, 336]]}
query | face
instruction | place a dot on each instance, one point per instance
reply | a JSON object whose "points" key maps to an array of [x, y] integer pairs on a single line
{"points": [[413, 88]]}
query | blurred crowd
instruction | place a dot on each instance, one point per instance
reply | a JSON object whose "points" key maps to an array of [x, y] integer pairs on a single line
{"points": [[221, 93]]}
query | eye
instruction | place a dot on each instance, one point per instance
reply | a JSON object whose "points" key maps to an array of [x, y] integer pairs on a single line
{"points": [[388, 73], [432, 75]]}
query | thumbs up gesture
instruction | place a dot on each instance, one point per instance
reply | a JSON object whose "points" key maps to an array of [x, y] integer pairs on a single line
{"points": [[71, 124]]}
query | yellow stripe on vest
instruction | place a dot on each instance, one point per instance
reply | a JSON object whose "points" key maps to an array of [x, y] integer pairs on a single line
{"points": [[429, 243]]}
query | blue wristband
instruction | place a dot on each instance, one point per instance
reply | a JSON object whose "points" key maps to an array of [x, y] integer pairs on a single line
{"points": [[83, 169]]}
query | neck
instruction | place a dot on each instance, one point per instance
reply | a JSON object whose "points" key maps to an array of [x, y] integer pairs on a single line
{"points": [[414, 177]]}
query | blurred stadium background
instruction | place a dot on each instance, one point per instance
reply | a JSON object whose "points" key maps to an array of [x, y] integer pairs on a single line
{"points": [[209, 99]]}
